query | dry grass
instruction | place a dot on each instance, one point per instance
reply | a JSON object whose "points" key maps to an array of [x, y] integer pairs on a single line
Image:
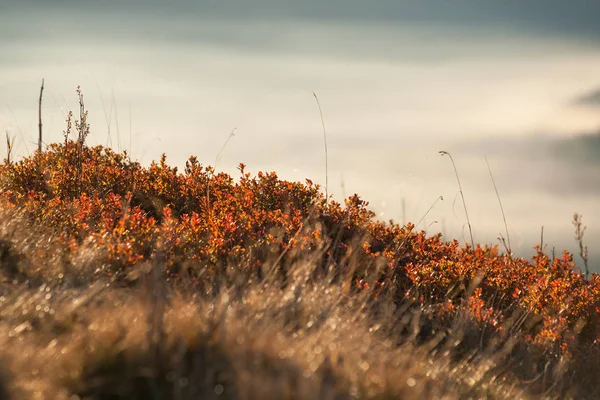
{"points": [[65, 334]]}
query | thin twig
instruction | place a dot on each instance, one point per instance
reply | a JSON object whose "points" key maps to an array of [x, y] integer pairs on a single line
{"points": [[443, 153], [232, 134], [326, 153], [83, 130], [583, 250], [501, 208], [40, 118]]}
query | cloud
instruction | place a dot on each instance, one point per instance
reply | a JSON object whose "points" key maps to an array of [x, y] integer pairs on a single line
{"points": [[582, 149], [591, 98], [561, 166]]}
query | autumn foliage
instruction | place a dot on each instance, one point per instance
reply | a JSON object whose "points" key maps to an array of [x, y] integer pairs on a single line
{"points": [[198, 222]]}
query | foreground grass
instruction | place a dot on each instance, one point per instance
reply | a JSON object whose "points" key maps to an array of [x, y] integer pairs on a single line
{"points": [[66, 333], [247, 339]]}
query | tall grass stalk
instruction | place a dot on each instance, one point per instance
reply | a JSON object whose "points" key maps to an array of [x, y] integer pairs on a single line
{"points": [[429, 209], [445, 153], [325, 143], [509, 247]]}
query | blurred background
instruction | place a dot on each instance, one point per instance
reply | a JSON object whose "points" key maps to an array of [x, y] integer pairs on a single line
{"points": [[398, 81]]}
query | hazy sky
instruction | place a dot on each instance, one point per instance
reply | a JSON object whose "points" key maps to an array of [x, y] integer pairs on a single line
{"points": [[518, 83]]}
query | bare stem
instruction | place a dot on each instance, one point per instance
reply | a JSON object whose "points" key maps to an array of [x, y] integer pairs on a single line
{"points": [[232, 134], [583, 250], [501, 207], [445, 153], [428, 210], [83, 130], [40, 118], [325, 142]]}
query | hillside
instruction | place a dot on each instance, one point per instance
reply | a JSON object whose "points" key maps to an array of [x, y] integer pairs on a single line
{"points": [[124, 281]]}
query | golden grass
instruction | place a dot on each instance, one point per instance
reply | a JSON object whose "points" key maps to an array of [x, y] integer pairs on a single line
{"points": [[65, 334]]}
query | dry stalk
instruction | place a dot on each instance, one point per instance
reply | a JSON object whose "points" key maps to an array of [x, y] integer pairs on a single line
{"points": [[10, 145], [583, 250], [40, 118], [326, 153], [508, 248], [445, 153]]}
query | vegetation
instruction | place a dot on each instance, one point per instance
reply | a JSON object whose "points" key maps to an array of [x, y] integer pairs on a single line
{"points": [[124, 281]]}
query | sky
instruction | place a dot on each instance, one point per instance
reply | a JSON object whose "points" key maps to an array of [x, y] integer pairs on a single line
{"points": [[515, 86]]}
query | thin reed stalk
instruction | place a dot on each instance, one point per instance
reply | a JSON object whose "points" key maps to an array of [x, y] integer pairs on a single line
{"points": [[445, 153], [326, 153], [509, 248]]}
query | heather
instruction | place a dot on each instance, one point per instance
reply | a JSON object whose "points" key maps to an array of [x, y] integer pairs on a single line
{"points": [[119, 280]]}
